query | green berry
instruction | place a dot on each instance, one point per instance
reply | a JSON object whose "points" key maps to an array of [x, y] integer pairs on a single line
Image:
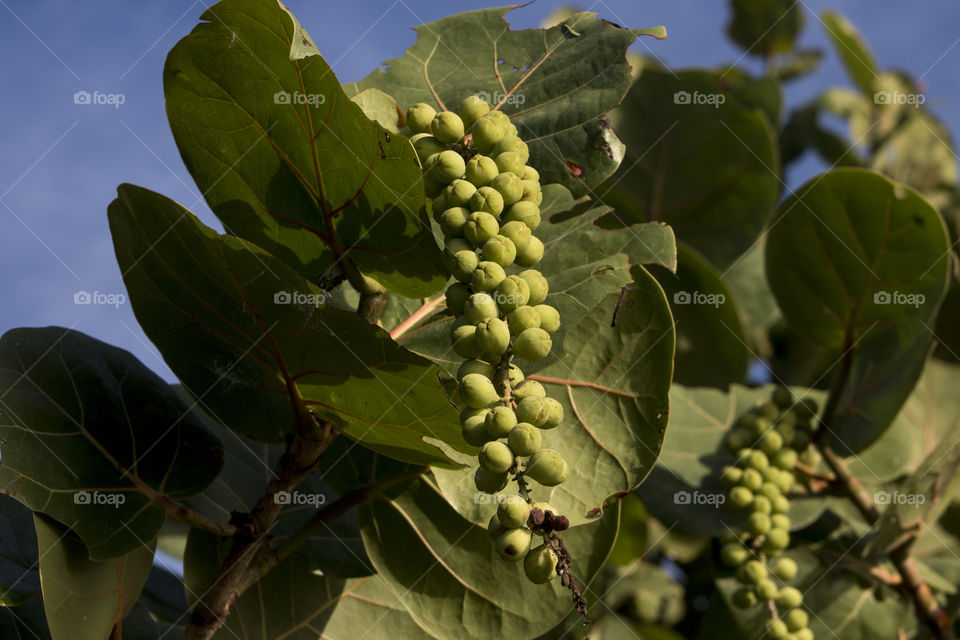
{"points": [[780, 521], [785, 459], [493, 336], [469, 415], [511, 143], [464, 339], [801, 439], [489, 482], [499, 421], [461, 263], [510, 161], [518, 233], [789, 597], [529, 173], [529, 388], [782, 397], [780, 504], [479, 307], [540, 565], [513, 543], [472, 109], [426, 145], [487, 199], [481, 170], [752, 479], [740, 497], [459, 192], [784, 480], [554, 413], [751, 572], [524, 439], [770, 491], [771, 443], [508, 185], [495, 457], [807, 408], [796, 619], [758, 523], [761, 504], [802, 634], [532, 192], [494, 528], [480, 227], [447, 127], [785, 569], [446, 166], [477, 391], [473, 428], [452, 221], [456, 297], [744, 598], [513, 512], [776, 540], [487, 132], [731, 476], [512, 293], [525, 317], [530, 254], [734, 554], [420, 116], [549, 317], [736, 439], [547, 467], [532, 344], [766, 590], [523, 211], [538, 286], [499, 249], [487, 276], [753, 459], [777, 630], [532, 410]]}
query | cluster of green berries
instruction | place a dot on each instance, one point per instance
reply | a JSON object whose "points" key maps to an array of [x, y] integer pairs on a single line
{"points": [[766, 441], [486, 201]]}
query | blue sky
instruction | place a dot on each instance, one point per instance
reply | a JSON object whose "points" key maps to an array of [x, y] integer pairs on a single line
{"points": [[60, 162]]}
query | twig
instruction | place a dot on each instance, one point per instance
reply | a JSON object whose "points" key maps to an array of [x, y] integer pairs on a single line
{"points": [[425, 310]]}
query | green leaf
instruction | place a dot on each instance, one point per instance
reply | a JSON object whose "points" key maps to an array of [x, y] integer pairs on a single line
{"points": [[693, 456], [918, 154], [698, 159], [765, 27], [92, 436], [237, 332], [76, 589], [286, 161], [24, 622], [798, 63], [557, 85], [19, 578], [760, 92], [859, 264], [430, 556], [381, 108], [747, 280], [855, 54], [711, 345]]}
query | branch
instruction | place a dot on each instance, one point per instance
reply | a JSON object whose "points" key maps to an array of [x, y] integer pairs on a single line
{"points": [[425, 310], [196, 519], [267, 558], [298, 461], [371, 306]]}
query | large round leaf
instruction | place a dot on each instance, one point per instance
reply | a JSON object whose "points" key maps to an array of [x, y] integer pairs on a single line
{"points": [[286, 160], [557, 84]]}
